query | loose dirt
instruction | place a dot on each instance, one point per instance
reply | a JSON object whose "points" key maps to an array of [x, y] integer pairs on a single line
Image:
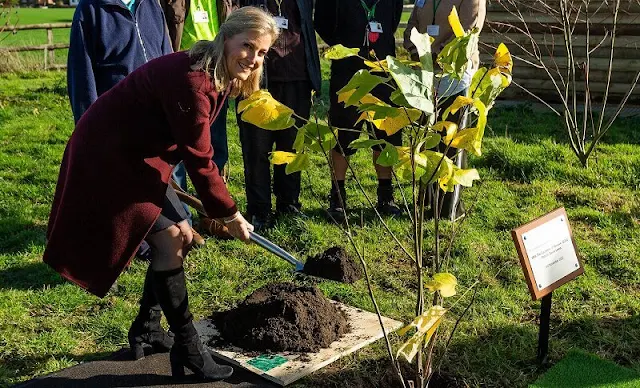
{"points": [[334, 264], [283, 317]]}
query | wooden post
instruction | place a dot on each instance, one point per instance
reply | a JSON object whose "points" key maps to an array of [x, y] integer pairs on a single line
{"points": [[50, 44]]}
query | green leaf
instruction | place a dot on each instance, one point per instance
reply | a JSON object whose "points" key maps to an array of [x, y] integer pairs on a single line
{"points": [[388, 156], [432, 140], [339, 52], [299, 163], [486, 85], [359, 86], [319, 137], [365, 143], [416, 84], [298, 143], [454, 57], [398, 98], [422, 42]]}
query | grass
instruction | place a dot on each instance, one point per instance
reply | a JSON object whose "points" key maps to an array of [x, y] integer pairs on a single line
{"points": [[527, 170], [580, 369], [33, 59]]}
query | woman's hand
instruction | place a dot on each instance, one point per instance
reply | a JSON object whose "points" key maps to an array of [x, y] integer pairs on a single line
{"points": [[238, 227]]}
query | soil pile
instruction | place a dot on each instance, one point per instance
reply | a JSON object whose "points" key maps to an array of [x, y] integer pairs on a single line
{"points": [[334, 264], [283, 317]]}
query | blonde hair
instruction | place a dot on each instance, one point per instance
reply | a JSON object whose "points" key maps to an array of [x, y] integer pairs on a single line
{"points": [[209, 54]]}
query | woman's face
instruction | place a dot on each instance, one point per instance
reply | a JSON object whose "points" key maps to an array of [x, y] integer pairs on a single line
{"points": [[245, 53]]}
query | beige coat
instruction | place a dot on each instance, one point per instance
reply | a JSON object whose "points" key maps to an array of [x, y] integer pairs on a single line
{"points": [[472, 13]]}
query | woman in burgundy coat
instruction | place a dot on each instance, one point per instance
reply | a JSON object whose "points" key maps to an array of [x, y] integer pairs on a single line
{"points": [[113, 189]]}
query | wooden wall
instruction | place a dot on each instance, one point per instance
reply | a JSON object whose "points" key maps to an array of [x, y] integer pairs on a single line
{"points": [[502, 26]]}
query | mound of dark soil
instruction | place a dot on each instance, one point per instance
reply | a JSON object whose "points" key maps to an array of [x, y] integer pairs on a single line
{"points": [[283, 316], [334, 264]]}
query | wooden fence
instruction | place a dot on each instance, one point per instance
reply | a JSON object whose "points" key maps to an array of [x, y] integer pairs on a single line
{"points": [[48, 48]]}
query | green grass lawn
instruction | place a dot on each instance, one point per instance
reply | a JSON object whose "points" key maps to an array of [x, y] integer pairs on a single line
{"points": [[22, 16], [527, 170]]}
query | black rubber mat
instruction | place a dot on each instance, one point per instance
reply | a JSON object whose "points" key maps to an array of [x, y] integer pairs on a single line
{"points": [[120, 370]]}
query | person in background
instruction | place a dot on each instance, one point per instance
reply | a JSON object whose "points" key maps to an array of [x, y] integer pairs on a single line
{"points": [[110, 39], [430, 16], [292, 72], [202, 22], [132, 136], [369, 25]]}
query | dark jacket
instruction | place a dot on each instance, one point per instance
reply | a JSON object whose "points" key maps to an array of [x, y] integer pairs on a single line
{"points": [[344, 22], [107, 43], [308, 36], [115, 168]]}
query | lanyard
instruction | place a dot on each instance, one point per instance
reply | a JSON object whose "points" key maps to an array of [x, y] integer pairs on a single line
{"points": [[369, 11], [279, 3], [436, 4]]}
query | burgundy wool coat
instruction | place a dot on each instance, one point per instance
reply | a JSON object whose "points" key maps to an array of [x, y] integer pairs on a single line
{"points": [[117, 164]]}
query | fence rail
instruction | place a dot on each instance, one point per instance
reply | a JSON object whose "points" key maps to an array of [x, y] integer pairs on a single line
{"points": [[48, 48]]}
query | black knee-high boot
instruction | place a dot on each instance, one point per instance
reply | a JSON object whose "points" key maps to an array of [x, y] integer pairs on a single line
{"points": [[187, 350], [146, 330]]}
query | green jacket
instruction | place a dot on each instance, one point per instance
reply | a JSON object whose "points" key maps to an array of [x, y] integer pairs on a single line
{"points": [[203, 20]]}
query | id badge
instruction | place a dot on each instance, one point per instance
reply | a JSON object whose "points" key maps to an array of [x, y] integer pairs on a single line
{"points": [[420, 3], [282, 22], [433, 30], [200, 16], [375, 27]]}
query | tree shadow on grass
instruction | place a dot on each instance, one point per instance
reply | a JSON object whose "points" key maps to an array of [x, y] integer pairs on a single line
{"points": [[29, 277], [18, 234], [524, 124]]}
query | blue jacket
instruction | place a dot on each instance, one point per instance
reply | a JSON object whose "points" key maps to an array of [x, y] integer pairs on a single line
{"points": [[107, 43]]}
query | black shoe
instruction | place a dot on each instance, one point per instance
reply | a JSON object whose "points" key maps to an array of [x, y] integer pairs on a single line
{"points": [[386, 205], [289, 210], [261, 222], [146, 330], [337, 210], [192, 355], [187, 351]]}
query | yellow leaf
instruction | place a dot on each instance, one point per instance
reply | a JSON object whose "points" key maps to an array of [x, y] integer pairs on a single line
{"points": [[502, 58], [339, 52], [459, 102], [469, 140], [425, 325], [454, 22], [450, 129], [392, 124], [380, 66], [262, 110], [443, 282], [282, 157], [344, 96], [465, 177]]}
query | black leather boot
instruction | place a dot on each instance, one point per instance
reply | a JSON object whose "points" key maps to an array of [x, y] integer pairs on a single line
{"points": [[386, 205], [146, 330], [337, 202], [187, 350]]}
